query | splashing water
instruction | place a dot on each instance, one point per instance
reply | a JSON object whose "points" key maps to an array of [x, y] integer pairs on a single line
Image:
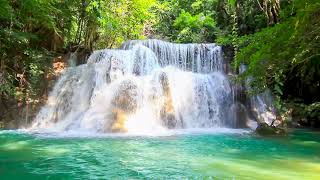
{"points": [[146, 86]]}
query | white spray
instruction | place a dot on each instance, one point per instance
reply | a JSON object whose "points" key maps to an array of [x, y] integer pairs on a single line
{"points": [[146, 86]]}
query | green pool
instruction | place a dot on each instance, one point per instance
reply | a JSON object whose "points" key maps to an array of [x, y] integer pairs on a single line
{"points": [[183, 156]]}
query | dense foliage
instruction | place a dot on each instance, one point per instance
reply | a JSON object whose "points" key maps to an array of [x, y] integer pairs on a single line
{"points": [[185, 21], [288, 50], [286, 58], [33, 31]]}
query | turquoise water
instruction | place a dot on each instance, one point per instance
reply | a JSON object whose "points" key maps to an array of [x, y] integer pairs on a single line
{"points": [[184, 156]]}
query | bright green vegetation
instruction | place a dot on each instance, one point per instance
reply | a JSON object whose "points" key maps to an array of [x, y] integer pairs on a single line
{"points": [[221, 156], [286, 58], [278, 40], [32, 32]]}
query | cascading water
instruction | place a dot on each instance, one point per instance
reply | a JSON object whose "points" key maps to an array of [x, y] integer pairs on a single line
{"points": [[261, 105], [146, 86]]}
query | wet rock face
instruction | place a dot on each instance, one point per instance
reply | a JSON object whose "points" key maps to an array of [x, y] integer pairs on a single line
{"points": [[264, 129], [124, 103], [260, 106], [167, 111], [241, 115], [126, 98]]}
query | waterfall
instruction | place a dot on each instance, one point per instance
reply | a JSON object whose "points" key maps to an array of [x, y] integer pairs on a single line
{"points": [[260, 105], [144, 86]]}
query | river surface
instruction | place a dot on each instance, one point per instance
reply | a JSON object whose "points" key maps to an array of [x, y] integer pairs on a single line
{"points": [[184, 155]]}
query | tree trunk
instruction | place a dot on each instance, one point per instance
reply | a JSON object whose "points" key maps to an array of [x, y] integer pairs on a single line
{"points": [[271, 9]]}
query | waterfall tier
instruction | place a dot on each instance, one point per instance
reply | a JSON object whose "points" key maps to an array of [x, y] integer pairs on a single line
{"points": [[145, 86]]}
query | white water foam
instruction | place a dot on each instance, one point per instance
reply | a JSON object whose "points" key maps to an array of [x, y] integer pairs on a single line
{"points": [[148, 87]]}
